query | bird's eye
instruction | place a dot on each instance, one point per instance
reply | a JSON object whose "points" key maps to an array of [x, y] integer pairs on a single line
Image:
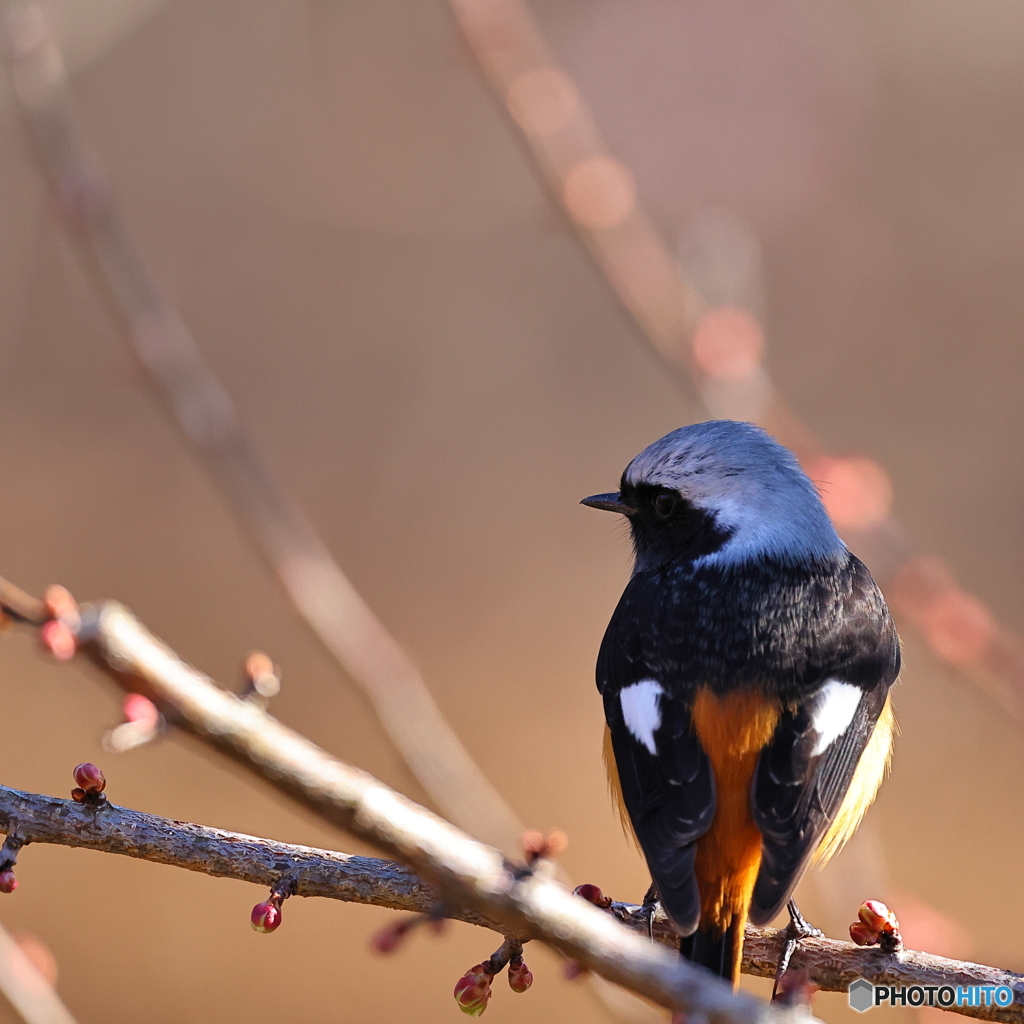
{"points": [[664, 505]]}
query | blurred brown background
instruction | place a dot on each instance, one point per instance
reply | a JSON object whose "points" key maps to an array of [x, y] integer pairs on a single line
{"points": [[435, 369]]}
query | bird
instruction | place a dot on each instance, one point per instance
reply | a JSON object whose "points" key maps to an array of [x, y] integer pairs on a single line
{"points": [[745, 675]]}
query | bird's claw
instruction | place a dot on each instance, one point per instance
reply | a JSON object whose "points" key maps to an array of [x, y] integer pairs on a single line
{"points": [[797, 929], [649, 908]]}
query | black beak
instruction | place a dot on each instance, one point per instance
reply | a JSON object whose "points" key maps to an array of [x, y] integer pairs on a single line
{"points": [[611, 502]]}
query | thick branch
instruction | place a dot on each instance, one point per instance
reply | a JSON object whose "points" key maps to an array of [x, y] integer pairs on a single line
{"points": [[369, 880]]}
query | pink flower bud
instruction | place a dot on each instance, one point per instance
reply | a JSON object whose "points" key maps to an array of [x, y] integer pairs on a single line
{"points": [[473, 990], [266, 916], [536, 847], [8, 883], [861, 934], [557, 843], [61, 605], [57, 637], [533, 845], [877, 916], [262, 675], [592, 894], [140, 709], [90, 778], [520, 977]]}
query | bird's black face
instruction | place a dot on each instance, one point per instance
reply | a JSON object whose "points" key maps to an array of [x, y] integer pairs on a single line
{"points": [[665, 526]]}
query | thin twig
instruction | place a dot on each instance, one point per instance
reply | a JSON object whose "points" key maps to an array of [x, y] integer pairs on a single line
{"points": [[830, 964], [199, 405], [223, 854], [20, 606]]}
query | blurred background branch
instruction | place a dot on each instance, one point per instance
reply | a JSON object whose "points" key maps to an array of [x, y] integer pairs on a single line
{"points": [[30, 993], [718, 350], [189, 389]]}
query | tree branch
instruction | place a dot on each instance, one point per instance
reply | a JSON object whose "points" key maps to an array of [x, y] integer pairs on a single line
{"points": [[466, 873], [212, 851], [830, 964]]}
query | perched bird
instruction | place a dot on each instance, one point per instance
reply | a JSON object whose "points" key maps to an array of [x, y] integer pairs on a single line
{"points": [[745, 675]]}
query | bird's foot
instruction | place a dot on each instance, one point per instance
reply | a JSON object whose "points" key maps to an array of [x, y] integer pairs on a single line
{"points": [[650, 906], [797, 929]]}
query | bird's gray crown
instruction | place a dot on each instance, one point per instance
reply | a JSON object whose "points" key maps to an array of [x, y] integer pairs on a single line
{"points": [[751, 484]]}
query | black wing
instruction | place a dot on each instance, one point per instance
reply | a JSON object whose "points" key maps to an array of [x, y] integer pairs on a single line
{"points": [[669, 793], [798, 789]]}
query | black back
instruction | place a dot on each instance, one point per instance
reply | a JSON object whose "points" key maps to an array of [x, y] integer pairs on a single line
{"points": [[781, 627]]}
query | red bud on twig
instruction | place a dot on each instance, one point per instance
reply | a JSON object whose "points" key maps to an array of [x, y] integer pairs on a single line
{"points": [[58, 639], [59, 634], [90, 778], [8, 883], [266, 916], [876, 923], [520, 977], [142, 723], [140, 709], [262, 677], [61, 605], [592, 894], [473, 990], [536, 847]]}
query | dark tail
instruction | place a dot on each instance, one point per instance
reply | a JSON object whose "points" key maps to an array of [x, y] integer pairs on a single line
{"points": [[720, 952]]}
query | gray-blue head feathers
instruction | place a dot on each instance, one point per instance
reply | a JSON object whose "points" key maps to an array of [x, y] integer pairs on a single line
{"points": [[744, 484]]}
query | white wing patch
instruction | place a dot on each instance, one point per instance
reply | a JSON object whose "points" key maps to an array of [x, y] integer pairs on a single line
{"points": [[833, 712], [641, 710]]}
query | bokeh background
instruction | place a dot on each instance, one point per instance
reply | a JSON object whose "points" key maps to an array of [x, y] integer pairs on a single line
{"points": [[435, 369]]}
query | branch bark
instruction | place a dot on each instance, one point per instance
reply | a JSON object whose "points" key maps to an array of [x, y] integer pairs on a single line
{"points": [[830, 964]]}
